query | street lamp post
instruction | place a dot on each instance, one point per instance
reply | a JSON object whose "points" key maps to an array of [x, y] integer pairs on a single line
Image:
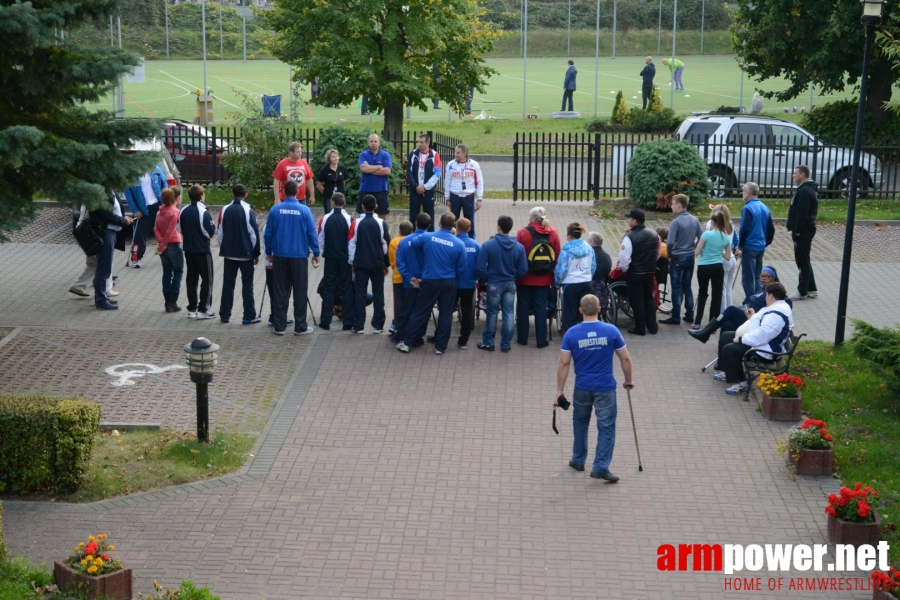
{"points": [[870, 19], [202, 359]]}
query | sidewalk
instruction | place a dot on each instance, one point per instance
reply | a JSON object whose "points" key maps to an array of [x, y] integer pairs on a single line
{"points": [[384, 475]]}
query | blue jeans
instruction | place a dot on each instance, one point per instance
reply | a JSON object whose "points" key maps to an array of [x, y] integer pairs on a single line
{"points": [[604, 406], [681, 271], [751, 267], [500, 295]]}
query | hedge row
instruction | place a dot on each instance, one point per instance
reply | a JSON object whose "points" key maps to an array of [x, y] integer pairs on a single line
{"points": [[47, 442]]}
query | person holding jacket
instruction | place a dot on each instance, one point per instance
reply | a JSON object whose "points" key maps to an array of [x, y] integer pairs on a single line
{"points": [[290, 236], [676, 68], [575, 273], [143, 200], [756, 233], [239, 245], [110, 221], [801, 222], [170, 253], [569, 85], [410, 267], [465, 288], [423, 171], [533, 288], [443, 260], [197, 228], [501, 262], [368, 253], [647, 74]]}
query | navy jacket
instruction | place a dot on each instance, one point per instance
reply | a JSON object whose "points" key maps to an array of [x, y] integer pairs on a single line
{"points": [[197, 228], [502, 259], [441, 254], [473, 249], [291, 231], [238, 231], [369, 243]]}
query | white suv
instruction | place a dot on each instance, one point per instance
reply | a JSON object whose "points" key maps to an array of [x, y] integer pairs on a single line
{"points": [[765, 150]]}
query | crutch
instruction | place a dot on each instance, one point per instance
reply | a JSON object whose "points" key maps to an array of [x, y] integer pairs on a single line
{"points": [[634, 427]]}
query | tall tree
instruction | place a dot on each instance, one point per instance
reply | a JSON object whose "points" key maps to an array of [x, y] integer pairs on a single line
{"points": [[396, 52], [51, 146], [812, 42]]}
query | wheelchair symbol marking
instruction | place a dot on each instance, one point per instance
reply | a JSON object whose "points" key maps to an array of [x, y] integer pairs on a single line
{"points": [[132, 370]]}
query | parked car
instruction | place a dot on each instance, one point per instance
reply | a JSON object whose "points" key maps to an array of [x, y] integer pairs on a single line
{"points": [[765, 150], [196, 151]]}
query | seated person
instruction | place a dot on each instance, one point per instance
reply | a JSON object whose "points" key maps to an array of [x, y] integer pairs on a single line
{"points": [[766, 332], [735, 316]]}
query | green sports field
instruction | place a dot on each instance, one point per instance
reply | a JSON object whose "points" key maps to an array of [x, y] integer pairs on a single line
{"points": [[710, 81]]}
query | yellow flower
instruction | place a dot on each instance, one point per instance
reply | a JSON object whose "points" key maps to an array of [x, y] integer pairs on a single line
{"points": [[111, 547], [92, 570]]}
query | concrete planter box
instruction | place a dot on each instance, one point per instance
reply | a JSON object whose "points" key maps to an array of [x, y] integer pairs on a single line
{"points": [[115, 586]]}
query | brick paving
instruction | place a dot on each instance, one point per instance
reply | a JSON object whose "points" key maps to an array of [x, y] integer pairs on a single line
{"points": [[383, 475]]}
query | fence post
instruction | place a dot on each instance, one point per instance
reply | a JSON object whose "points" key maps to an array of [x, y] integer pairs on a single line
{"points": [[515, 167], [595, 162]]}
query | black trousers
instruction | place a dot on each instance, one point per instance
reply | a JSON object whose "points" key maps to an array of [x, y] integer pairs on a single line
{"points": [[144, 229], [229, 279], [363, 277], [706, 274], [466, 299], [572, 295], [199, 267], [640, 294], [802, 250], [646, 93], [337, 283], [104, 266], [401, 321], [291, 275], [567, 95], [421, 203]]}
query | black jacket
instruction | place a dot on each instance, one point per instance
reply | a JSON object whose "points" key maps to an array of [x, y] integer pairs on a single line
{"points": [[648, 73], [197, 228], [804, 208], [238, 231]]}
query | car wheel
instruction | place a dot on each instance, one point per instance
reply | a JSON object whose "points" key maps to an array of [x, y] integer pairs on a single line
{"points": [[721, 182], [840, 184]]}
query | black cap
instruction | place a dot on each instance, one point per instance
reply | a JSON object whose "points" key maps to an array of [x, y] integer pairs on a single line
{"points": [[636, 214]]}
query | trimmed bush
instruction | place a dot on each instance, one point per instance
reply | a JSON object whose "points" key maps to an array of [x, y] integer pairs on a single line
{"points": [[835, 123], [349, 143], [660, 169], [47, 442]]}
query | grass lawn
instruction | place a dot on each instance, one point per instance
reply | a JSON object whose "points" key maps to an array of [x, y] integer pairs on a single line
{"points": [[849, 394]]}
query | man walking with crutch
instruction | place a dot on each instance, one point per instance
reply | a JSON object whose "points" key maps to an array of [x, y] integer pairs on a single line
{"points": [[591, 345]]}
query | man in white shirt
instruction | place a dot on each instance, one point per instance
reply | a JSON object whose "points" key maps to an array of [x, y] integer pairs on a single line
{"points": [[464, 186]]}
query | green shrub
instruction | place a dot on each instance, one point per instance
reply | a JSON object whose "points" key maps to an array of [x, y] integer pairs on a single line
{"points": [[620, 113], [47, 442], [647, 121], [835, 123], [660, 169], [349, 143], [881, 347]]}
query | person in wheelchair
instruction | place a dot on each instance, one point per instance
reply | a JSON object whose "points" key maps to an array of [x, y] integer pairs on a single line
{"points": [[765, 333], [735, 316]]}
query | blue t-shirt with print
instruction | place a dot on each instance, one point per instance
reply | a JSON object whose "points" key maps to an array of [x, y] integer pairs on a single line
{"points": [[374, 183], [592, 345]]}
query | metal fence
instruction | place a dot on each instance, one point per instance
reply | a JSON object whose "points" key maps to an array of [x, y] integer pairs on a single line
{"points": [[588, 166], [198, 151]]}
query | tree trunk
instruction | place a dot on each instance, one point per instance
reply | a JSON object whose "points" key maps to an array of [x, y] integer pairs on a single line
{"points": [[393, 119], [879, 91]]}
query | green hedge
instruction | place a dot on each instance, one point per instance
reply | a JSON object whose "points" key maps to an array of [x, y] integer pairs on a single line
{"points": [[47, 442]]}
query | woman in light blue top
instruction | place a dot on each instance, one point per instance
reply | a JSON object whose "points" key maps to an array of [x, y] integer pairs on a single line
{"points": [[709, 254]]}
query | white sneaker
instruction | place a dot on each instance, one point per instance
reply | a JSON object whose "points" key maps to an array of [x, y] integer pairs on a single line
{"points": [[402, 347], [813, 295], [192, 314], [206, 315], [308, 331], [796, 296]]}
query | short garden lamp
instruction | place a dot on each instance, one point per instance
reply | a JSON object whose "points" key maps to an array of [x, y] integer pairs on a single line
{"points": [[872, 11], [202, 359]]}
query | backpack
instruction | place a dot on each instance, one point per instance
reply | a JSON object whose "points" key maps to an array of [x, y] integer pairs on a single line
{"points": [[541, 256]]}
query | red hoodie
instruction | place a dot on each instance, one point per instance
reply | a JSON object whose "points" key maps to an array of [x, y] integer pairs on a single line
{"points": [[523, 236]]}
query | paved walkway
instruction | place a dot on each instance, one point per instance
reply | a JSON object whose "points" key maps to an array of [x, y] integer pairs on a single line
{"points": [[383, 475]]}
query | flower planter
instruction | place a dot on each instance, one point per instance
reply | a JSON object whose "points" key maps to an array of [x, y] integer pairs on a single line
{"points": [[781, 409], [811, 462], [115, 586], [855, 534]]}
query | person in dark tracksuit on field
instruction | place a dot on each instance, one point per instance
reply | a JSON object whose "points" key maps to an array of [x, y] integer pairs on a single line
{"points": [[368, 253], [410, 268], [197, 228], [290, 235], [239, 245], [337, 282], [443, 259], [648, 73]]}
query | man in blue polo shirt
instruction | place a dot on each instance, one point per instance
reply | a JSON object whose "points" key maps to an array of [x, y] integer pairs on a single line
{"points": [[591, 345], [375, 167]]}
